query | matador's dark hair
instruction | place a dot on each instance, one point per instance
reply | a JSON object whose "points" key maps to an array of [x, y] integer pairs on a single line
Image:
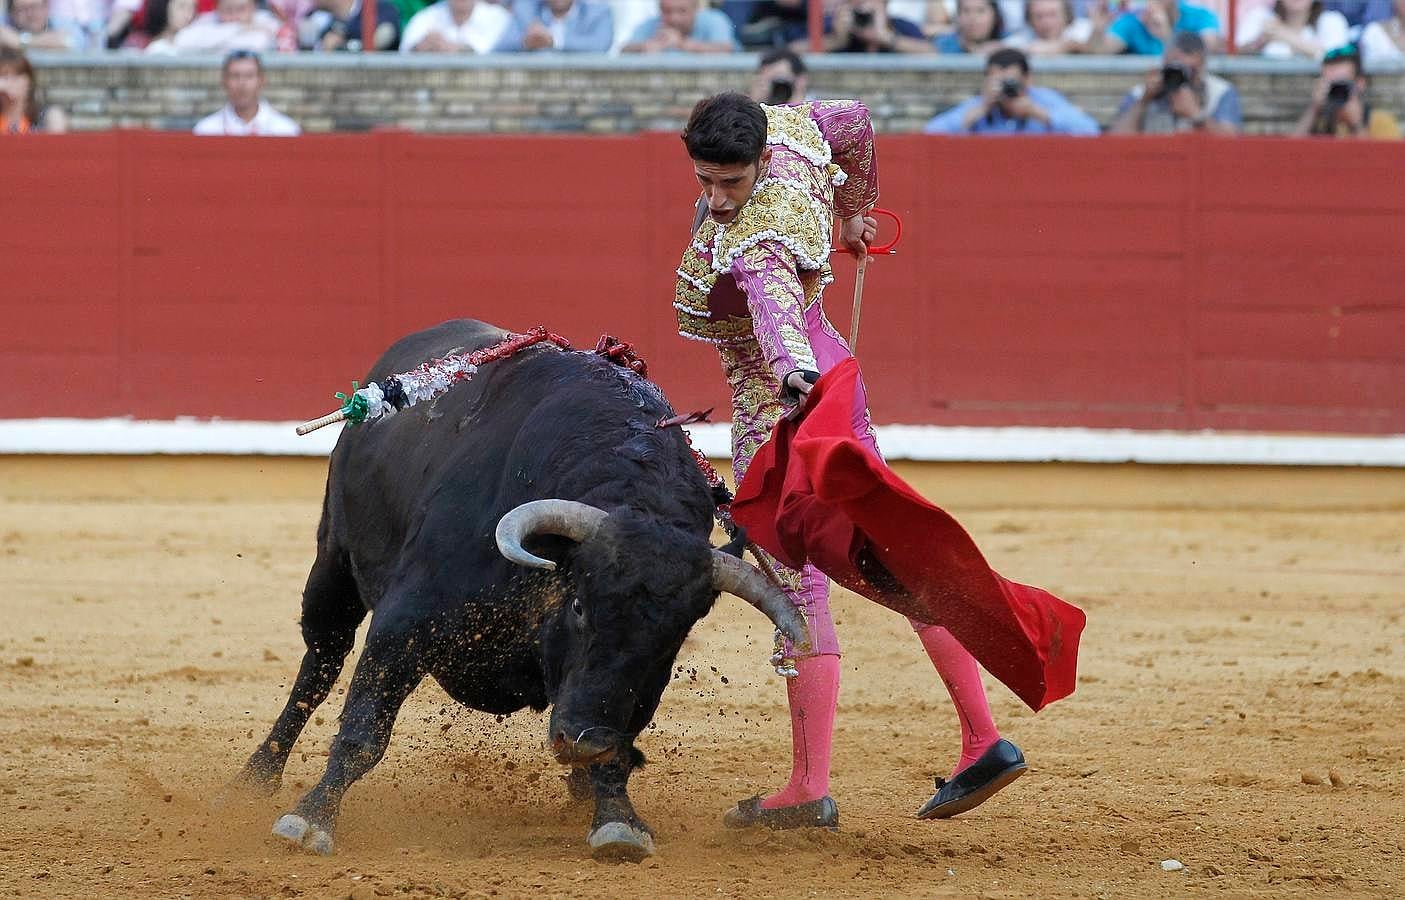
{"points": [[726, 129]]}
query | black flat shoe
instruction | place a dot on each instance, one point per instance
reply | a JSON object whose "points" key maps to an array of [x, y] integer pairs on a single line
{"points": [[821, 813], [977, 783]]}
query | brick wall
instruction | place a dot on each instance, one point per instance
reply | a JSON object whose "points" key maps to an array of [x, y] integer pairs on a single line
{"points": [[600, 94]]}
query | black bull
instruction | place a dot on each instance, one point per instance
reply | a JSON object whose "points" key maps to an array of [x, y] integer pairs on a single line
{"points": [[427, 523]]}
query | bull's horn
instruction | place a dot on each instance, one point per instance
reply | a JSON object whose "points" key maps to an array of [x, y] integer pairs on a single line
{"points": [[746, 581], [567, 518]]}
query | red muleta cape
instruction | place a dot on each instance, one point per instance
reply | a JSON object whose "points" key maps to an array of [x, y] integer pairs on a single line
{"points": [[813, 492]]}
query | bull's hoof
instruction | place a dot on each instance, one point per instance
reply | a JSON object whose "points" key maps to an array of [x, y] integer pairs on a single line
{"points": [[618, 842], [297, 832]]}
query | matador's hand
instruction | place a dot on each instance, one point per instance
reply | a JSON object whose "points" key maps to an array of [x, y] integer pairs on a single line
{"points": [[857, 232]]}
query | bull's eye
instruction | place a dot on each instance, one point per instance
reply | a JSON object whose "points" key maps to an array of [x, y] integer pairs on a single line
{"points": [[577, 608]]}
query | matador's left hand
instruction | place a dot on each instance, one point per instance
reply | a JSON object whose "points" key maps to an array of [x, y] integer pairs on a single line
{"points": [[857, 232]]}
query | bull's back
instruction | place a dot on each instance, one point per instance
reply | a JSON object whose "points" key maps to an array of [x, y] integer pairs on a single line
{"points": [[426, 485], [452, 337]]}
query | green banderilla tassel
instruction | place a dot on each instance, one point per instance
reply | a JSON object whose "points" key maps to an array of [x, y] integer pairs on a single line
{"points": [[354, 407]]}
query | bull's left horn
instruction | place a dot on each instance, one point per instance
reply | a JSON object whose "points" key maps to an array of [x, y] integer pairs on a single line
{"points": [[567, 518], [746, 581]]}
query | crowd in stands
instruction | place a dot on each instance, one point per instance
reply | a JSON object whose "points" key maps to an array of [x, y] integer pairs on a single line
{"points": [[1279, 29], [1347, 37]]}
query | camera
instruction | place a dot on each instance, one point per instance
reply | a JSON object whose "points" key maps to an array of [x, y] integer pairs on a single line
{"points": [[1339, 92], [782, 91], [863, 18], [1011, 88], [1174, 77]]}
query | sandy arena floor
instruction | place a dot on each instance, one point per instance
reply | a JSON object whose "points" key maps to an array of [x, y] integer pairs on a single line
{"points": [[1241, 706]]}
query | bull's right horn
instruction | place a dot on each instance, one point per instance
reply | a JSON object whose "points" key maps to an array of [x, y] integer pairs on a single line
{"points": [[746, 581], [567, 518]]}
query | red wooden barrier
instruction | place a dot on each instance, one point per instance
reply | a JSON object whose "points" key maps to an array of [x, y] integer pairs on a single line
{"points": [[1186, 284]]}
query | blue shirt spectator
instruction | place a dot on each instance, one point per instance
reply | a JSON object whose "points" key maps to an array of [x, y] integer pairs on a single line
{"points": [[681, 26], [1009, 104], [1129, 32], [1361, 12], [336, 25], [979, 25], [570, 26], [1062, 117], [948, 43]]}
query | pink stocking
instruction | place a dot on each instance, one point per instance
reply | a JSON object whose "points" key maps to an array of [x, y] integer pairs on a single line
{"points": [[962, 677], [812, 695]]}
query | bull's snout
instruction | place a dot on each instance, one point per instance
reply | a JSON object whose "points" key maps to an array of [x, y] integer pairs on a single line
{"points": [[584, 747]]}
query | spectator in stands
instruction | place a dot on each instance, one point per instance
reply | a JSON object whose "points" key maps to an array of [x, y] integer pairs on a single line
{"points": [[681, 26], [461, 26], [780, 78], [1050, 29], [936, 17], [767, 23], [864, 26], [570, 26], [234, 25], [95, 24], [1147, 32], [1291, 28], [336, 25], [1384, 42], [29, 27], [1339, 106], [166, 18], [1180, 96], [246, 113], [1010, 104], [1360, 12], [20, 110], [410, 8], [979, 28], [292, 16]]}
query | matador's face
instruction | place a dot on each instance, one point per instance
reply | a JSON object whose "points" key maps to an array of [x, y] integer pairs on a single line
{"points": [[727, 187]]}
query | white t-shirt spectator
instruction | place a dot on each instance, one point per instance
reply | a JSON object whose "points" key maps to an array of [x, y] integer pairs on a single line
{"points": [[1329, 33], [1077, 32], [207, 34], [629, 15], [267, 122], [88, 18], [1379, 44], [483, 30]]}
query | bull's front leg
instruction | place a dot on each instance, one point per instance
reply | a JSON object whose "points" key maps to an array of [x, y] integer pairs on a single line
{"points": [[387, 672], [616, 831]]}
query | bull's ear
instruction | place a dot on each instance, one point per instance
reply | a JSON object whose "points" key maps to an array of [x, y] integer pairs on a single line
{"points": [[736, 545]]}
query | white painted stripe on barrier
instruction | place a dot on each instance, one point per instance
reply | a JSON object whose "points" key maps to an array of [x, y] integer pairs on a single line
{"points": [[913, 442]]}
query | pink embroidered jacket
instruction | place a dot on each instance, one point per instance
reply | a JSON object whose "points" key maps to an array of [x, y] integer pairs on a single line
{"points": [[755, 277]]}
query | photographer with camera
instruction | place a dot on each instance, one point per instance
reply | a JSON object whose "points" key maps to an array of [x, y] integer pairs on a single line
{"points": [[1339, 107], [1180, 96], [1009, 104], [864, 26], [780, 78]]}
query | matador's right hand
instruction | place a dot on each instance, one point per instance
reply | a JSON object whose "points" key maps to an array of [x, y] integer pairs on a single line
{"points": [[857, 232]]}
